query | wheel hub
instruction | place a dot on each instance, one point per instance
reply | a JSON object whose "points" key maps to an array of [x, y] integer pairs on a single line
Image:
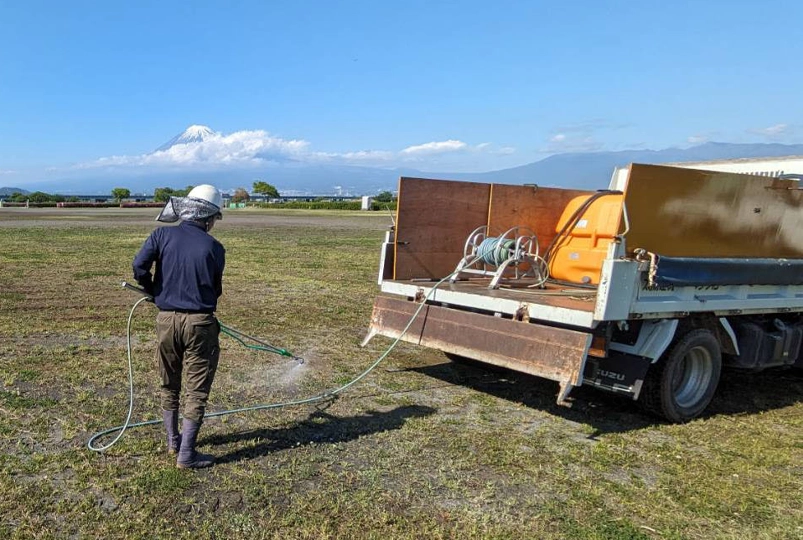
{"points": [[693, 376]]}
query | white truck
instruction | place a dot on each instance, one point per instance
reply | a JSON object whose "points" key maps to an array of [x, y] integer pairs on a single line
{"points": [[647, 289]]}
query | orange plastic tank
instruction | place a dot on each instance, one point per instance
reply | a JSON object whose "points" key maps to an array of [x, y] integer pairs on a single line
{"points": [[579, 256]]}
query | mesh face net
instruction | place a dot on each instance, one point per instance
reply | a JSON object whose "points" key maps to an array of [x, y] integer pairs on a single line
{"points": [[187, 209]]}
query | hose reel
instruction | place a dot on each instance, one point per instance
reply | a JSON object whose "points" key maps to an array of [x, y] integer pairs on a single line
{"points": [[512, 256]]}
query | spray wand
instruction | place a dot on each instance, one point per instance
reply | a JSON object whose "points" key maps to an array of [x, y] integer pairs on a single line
{"points": [[233, 333], [263, 346]]}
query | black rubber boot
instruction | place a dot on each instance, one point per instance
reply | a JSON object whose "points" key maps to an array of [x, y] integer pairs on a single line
{"points": [[171, 426], [188, 458]]}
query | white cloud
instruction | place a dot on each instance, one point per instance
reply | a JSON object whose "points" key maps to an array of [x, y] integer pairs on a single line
{"points": [[580, 136], [241, 147], [362, 158], [7, 171], [697, 139], [368, 154], [258, 147], [778, 131], [587, 127], [563, 143], [492, 149], [434, 148]]}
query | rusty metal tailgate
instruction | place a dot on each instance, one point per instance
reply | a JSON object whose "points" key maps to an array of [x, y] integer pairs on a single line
{"points": [[553, 353]]}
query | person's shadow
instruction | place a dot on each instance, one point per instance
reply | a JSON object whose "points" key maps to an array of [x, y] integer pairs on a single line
{"points": [[319, 427], [737, 393]]}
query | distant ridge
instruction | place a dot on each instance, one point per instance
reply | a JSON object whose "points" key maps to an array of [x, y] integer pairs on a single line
{"points": [[12, 190], [590, 170]]}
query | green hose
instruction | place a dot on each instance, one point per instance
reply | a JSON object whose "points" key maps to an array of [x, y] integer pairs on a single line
{"points": [[266, 347], [330, 394], [495, 250]]}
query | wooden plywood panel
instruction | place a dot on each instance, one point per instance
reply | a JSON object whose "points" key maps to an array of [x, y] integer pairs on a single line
{"points": [[692, 213], [433, 220], [535, 207]]}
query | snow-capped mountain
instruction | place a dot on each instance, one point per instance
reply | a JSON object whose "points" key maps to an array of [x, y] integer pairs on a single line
{"points": [[200, 155], [193, 134]]}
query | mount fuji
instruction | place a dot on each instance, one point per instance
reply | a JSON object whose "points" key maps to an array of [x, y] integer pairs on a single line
{"points": [[193, 134]]}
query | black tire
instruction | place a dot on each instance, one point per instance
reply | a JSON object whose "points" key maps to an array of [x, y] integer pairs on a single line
{"points": [[682, 383]]}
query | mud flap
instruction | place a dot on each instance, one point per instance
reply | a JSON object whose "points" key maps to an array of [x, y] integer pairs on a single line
{"points": [[553, 353], [618, 373]]}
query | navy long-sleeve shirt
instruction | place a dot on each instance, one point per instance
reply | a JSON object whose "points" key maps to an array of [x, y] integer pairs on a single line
{"points": [[189, 268]]}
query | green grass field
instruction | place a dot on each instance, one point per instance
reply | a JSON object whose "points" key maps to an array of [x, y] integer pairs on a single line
{"points": [[422, 448]]}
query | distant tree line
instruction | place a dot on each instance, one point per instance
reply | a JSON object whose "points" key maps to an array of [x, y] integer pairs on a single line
{"points": [[160, 194], [163, 194], [40, 197], [268, 190], [120, 193], [240, 195], [382, 201]]}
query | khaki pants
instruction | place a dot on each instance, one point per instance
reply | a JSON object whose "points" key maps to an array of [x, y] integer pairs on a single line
{"points": [[188, 343]]}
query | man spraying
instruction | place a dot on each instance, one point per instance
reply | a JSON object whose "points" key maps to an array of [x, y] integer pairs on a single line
{"points": [[185, 285]]}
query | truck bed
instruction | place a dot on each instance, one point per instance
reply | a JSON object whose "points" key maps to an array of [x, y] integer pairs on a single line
{"points": [[715, 256], [555, 303]]}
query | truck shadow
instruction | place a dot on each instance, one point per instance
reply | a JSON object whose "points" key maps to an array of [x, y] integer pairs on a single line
{"points": [[738, 393], [320, 427], [752, 393]]}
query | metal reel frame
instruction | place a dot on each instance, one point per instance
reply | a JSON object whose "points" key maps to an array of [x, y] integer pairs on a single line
{"points": [[523, 251]]}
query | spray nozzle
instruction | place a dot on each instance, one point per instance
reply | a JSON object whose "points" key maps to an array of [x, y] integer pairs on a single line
{"points": [[288, 354], [139, 290]]}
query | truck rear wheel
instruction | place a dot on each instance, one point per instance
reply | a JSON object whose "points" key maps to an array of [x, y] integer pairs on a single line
{"points": [[681, 385]]}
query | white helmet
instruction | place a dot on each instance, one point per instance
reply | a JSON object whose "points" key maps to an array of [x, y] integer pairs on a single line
{"points": [[207, 193]]}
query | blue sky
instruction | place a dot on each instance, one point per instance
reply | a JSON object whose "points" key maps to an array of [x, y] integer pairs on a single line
{"points": [[436, 85]]}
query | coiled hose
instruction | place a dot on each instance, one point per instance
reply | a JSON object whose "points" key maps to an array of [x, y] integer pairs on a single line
{"points": [[495, 250]]}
